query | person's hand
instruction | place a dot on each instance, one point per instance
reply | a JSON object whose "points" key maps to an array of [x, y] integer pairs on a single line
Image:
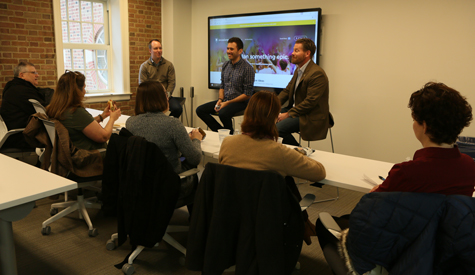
{"points": [[195, 133], [374, 188], [218, 106], [106, 112], [114, 115], [224, 104], [282, 116]]}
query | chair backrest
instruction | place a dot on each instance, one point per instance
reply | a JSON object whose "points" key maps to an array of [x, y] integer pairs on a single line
{"points": [[38, 107], [49, 126], [247, 204], [3, 131]]}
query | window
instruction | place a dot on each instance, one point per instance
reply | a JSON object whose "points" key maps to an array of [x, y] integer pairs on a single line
{"points": [[85, 36], [83, 43]]}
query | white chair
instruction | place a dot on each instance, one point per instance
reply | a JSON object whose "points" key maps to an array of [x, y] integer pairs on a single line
{"points": [[70, 205], [38, 107], [17, 153]]}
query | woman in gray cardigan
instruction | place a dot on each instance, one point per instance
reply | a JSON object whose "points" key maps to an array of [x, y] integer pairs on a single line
{"points": [[182, 149]]}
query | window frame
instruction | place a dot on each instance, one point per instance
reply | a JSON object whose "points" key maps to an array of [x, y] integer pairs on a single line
{"points": [[118, 53]]}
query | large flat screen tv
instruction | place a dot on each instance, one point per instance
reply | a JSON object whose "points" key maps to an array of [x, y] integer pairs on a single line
{"points": [[268, 38]]}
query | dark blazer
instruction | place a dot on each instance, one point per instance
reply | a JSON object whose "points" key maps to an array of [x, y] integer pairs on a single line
{"points": [[147, 188], [16, 109], [311, 102], [245, 217]]}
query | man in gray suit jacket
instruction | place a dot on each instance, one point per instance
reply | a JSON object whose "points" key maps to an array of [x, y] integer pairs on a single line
{"points": [[307, 94]]}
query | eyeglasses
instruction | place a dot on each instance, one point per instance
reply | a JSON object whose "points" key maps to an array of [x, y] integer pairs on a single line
{"points": [[68, 71], [33, 72]]}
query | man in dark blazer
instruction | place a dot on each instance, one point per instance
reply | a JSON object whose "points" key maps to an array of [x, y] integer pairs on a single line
{"points": [[307, 94]]}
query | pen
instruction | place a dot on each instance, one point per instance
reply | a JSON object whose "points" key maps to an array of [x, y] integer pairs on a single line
{"points": [[381, 178]]}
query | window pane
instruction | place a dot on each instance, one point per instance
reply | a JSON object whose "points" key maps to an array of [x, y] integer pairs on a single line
{"points": [[86, 11], [101, 59], [102, 80], [98, 13], [64, 31], [73, 10], [67, 59], [74, 32], [99, 33], [91, 80], [64, 15], [87, 33], [78, 59], [90, 59]]}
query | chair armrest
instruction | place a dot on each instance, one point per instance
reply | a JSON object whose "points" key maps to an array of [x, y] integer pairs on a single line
{"points": [[306, 201], [9, 133], [330, 224], [189, 173]]}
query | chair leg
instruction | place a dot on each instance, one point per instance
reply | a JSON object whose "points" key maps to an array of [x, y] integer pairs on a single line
{"points": [[135, 254], [332, 199]]}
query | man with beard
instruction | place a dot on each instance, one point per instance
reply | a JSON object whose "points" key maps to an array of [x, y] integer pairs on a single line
{"points": [[307, 94], [237, 83]]}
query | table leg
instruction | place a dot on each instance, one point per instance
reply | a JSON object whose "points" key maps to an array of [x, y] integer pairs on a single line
{"points": [[7, 246]]}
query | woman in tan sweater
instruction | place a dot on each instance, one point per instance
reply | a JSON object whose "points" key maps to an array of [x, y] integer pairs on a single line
{"points": [[257, 147]]}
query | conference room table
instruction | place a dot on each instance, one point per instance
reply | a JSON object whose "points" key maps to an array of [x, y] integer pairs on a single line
{"points": [[21, 185], [342, 170]]}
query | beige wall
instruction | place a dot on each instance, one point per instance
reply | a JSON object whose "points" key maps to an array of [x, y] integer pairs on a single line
{"points": [[376, 53]]}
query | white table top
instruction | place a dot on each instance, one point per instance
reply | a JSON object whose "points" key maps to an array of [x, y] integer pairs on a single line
{"points": [[22, 183], [342, 170]]}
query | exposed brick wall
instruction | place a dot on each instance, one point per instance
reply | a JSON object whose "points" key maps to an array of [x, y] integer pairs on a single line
{"points": [[27, 34]]}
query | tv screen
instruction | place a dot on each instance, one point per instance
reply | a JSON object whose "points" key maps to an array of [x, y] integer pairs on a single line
{"points": [[268, 38]]}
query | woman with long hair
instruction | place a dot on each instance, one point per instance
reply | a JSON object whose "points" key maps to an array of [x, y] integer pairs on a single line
{"points": [[67, 106]]}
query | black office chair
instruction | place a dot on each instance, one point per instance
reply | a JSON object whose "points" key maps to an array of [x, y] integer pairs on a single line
{"points": [[246, 218], [141, 187]]}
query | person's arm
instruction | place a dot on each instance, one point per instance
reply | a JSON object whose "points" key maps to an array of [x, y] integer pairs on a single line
{"points": [[189, 148], [95, 132], [171, 79], [220, 100], [143, 76], [240, 98], [393, 182], [317, 84], [297, 165]]}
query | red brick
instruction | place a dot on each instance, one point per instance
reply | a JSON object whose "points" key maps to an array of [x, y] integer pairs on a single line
{"points": [[18, 7], [18, 20], [36, 50], [22, 55]]}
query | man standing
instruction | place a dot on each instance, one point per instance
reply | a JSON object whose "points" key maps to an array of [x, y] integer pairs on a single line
{"points": [[307, 93], [157, 68], [16, 109], [237, 83]]}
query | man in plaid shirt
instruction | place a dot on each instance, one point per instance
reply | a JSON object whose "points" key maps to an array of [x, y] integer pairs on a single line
{"points": [[237, 83]]}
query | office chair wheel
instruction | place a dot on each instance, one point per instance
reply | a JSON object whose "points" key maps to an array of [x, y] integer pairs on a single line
{"points": [[181, 260], [93, 232], [128, 269], [111, 245], [46, 230], [53, 211]]}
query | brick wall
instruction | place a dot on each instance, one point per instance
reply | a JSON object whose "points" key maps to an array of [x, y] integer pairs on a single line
{"points": [[27, 34]]}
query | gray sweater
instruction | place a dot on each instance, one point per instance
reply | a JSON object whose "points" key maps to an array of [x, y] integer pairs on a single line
{"points": [[169, 135]]}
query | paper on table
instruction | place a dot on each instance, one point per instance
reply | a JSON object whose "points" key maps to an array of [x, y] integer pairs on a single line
{"points": [[369, 180]]}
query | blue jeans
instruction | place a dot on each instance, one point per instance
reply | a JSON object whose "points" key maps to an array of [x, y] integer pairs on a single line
{"points": [[288, 126], [226, 114], [175, 107]]}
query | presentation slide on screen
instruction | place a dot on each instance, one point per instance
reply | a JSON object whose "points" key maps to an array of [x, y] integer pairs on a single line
{"points": [[268, 44]]}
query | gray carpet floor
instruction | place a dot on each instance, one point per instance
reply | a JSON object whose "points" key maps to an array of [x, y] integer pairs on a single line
{"points": [[69, 249]]}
